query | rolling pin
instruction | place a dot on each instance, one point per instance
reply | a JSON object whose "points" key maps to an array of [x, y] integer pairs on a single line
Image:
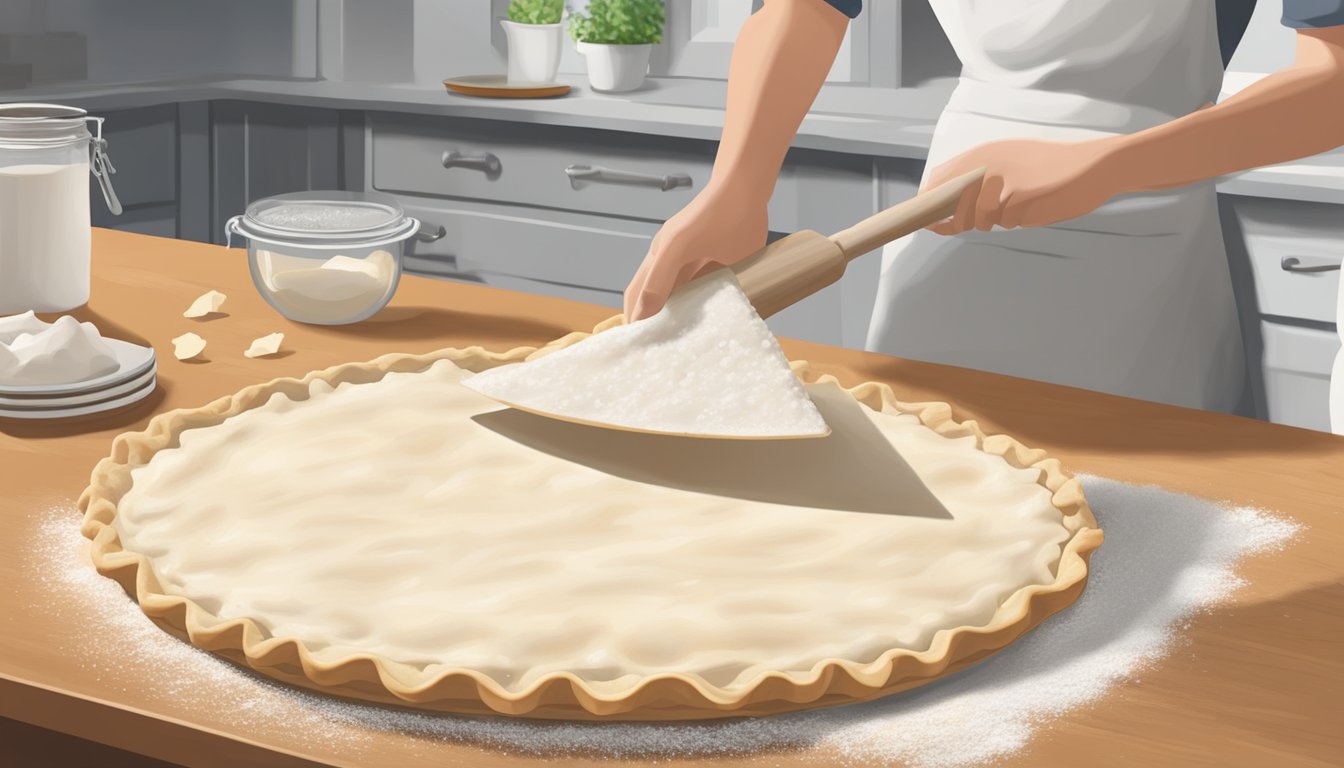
{"points": [[795, 267]]}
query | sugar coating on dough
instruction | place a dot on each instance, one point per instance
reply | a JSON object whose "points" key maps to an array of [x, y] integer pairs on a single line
{"points": [[266, 345], [187, 346], [705, 365]]}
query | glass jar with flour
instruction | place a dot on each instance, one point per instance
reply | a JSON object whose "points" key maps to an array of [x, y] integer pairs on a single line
{"points": [[46, 155]]}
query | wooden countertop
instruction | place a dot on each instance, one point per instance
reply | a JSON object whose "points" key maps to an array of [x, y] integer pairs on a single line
{"points": [[1260, 683]]}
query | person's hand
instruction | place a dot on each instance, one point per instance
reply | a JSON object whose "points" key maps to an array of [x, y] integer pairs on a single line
{"points": [[714, 230], [1029, 183]]}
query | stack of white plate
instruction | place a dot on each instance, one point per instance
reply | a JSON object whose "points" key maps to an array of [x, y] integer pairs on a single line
{"points": [[134, 380]]}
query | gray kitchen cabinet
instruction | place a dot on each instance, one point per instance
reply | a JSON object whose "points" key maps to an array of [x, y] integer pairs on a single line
{"points": [[512, 216], [602, 172], [828, 192], [894, 180], [193, 172], [605, 172], [260, 150], [581, 257], [142, 144], [575, 256], [1285, 257], [822, 191], [1294, 250], [1297, 362]]}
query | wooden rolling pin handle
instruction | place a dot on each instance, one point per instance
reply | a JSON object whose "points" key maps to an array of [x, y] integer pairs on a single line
{"points": [[899, 220], [789, 270]]}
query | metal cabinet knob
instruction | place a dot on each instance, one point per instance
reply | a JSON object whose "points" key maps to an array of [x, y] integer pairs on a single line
{"points": [[596, 174], [1294, 264], [485, 162], [431, 235]]}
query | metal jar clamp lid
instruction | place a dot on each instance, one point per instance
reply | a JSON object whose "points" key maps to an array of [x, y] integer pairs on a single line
{"points": [[49, 126], [324, 219]]}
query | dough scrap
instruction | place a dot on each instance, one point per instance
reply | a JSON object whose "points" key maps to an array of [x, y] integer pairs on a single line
{"points": [[266, 345], [187, 346], [207, 303]]}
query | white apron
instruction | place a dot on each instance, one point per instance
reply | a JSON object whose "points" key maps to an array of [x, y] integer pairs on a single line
{"points": [[1133, 299]]}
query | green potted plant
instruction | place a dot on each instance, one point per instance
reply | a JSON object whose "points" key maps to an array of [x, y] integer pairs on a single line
{"points": [[535, 39], [616, 37]]}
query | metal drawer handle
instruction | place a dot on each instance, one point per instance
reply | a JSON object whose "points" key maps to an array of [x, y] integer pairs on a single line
{"points": [[428, 236], [441, 266], [1294, 264], [581, 174], [485, 162]]}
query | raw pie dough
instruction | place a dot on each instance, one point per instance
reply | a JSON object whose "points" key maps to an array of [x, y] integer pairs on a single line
{"points": [[401, 538]]}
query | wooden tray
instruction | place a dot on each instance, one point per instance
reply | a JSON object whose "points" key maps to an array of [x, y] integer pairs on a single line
{"points": [[499, 87]]}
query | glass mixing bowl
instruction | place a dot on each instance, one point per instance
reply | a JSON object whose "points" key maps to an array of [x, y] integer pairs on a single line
{"points": [[327, 258]]}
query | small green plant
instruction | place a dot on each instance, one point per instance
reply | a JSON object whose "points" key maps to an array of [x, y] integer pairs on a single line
{"points": [[536, 11], [619, 22]]}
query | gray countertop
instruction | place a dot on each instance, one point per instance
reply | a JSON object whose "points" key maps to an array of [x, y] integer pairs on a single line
{"points": [[879, 122]]}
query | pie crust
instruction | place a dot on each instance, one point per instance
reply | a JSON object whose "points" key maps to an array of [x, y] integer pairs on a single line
{"points": [[565, 695]]}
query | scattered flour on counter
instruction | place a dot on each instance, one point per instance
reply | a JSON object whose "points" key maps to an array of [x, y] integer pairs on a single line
{"points": [[121, 644], [1166, 558]]}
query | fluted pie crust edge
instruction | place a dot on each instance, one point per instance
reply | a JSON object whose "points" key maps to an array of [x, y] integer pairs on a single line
{"points": [[564, 695]]}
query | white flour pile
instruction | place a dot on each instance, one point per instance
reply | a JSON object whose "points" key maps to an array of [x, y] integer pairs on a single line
{"points": [[34, 353], [705, 365], [1167, 557]]}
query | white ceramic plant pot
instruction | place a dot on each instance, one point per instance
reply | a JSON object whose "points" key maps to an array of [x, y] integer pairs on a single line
{"points": [[616, 67], [534, 51]]}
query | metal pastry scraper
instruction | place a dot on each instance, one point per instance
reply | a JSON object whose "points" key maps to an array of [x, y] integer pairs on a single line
{"points": [[590, 384]]}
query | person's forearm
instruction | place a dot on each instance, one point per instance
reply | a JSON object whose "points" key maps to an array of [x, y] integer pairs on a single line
{"points": [[779, 63], [1293, 113]]}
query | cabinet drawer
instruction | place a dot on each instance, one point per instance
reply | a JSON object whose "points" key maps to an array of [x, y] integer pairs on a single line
{"points": [[1312, 234], [612, 299], [491, 243], [1297, 366], [567, 255], [522, 164]]}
